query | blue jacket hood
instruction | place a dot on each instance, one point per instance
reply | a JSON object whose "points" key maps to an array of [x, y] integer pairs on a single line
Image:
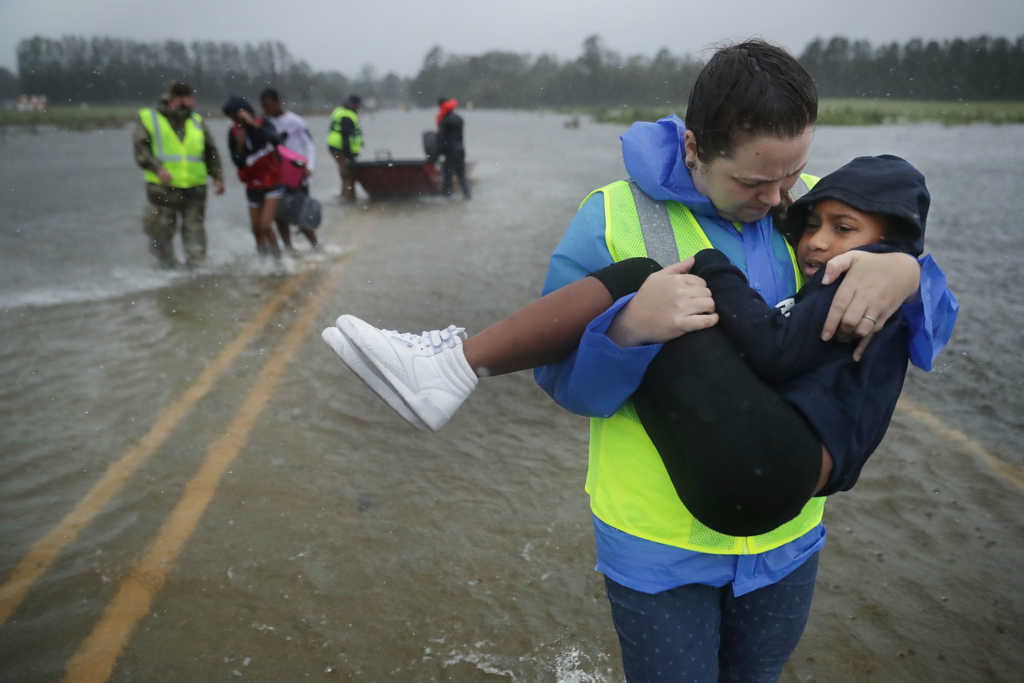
{"points": [[653, 155]]}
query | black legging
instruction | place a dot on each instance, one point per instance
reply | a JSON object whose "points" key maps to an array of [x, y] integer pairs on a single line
{"points": [[741, 458]]}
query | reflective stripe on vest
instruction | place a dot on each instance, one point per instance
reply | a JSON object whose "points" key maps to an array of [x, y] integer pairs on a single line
{"points": [[801, 187], [628, 486], [334, 139], [183, 158]]}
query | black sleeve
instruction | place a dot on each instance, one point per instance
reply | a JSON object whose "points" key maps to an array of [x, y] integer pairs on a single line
{"points": [[626, 276], [237, 156], [442, 137], [850, 404], [778, 347], [268, 134]]}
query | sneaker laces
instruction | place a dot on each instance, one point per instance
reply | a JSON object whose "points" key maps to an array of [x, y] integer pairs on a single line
{"points": [[432, 340]]}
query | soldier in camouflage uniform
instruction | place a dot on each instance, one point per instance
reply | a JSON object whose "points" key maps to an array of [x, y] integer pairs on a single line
{"points": [[174, 148]]}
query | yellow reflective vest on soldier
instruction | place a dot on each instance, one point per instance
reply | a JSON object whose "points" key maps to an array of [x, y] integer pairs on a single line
{"points": [[184, 157]]}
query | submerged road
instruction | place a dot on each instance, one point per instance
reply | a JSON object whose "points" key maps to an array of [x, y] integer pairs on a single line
{"points": [[194, 488]]}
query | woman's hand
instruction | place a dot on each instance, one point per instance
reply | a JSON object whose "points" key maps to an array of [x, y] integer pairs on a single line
{"points": [[245, 118], [670, 303], [874, 287]]}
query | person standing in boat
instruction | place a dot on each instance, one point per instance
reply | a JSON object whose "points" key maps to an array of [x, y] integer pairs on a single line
{"points": [[174, 148], [451, 146], [344, 141]]}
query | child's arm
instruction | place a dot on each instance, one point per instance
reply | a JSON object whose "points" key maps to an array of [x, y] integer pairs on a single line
{"points": [[778, 347], [849, 405], [598, 375]]}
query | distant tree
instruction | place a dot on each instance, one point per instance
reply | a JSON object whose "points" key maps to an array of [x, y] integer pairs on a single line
{"points": [[427, 85], [9, 88]]}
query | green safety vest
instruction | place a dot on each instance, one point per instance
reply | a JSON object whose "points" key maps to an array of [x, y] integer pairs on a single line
{"points": [[355, 141], [184, 158], [627, 482]]}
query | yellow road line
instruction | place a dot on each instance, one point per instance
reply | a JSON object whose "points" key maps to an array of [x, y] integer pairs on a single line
{"points": [[42, 554], [1007, 471], [95, 659]]}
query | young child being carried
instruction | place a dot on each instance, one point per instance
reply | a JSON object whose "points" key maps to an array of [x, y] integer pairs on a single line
{"points": [[755, 405]]}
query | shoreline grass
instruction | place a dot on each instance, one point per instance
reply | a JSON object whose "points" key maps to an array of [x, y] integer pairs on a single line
{"points": [[79, 118], [863, 112], [69, 117], [831, 112]]}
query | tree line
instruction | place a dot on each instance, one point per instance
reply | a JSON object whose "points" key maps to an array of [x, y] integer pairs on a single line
{"points": [[75, 69], [980, 68]]}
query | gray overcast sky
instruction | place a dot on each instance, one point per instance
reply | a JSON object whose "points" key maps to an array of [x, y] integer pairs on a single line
{"points": [[394, 35]]}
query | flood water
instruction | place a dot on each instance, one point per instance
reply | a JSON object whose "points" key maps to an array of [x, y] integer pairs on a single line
{"points": [[205, 493]]}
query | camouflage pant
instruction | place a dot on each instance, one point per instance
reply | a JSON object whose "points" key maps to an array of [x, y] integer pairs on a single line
{"points": [[347, 173], [161, 218]]}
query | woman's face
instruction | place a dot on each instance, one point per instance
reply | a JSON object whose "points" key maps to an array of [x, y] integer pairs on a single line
{"points": [[746, 185]]}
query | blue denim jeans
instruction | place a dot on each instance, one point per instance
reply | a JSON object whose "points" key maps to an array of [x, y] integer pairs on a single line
{"points": [[704, 634]]}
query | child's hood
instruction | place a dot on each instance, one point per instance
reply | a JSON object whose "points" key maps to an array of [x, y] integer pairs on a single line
{"points": [[883, 184]]}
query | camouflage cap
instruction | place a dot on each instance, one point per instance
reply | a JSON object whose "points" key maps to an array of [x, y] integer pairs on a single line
{"points": [[179, 89]]}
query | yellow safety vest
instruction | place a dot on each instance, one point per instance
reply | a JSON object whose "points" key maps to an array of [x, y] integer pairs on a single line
{"points": [[355, 141], [628, 485], [184, 158]]}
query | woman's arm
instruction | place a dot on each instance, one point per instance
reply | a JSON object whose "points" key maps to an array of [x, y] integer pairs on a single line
{"points": [[308, 146], [236, 145], [670, 303], [599, 375], [878, 284]]}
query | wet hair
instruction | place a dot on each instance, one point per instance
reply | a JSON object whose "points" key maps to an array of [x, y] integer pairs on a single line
{"points": [[752, 88], [270, 94], [234, 103], [180, 89]]}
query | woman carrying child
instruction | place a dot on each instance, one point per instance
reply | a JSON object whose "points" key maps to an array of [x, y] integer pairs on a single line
{"points": [[689, 602]]}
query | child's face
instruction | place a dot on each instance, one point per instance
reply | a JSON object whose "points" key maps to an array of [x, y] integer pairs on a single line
{"points": [[833, 228]]}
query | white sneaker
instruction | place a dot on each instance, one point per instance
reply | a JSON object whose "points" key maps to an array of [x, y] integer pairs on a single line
{"points": [[426, 373], [362, 366]]}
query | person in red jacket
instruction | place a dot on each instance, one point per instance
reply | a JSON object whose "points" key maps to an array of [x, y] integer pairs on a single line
{"points": [[451, 145], [253, 142]]}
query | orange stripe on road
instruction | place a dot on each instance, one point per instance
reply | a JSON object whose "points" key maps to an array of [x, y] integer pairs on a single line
{"points": [[1007, 471], [94, 661], [42, 554]]}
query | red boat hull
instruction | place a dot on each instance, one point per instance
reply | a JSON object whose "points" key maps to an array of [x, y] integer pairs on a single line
{"points": [[398, 178]]}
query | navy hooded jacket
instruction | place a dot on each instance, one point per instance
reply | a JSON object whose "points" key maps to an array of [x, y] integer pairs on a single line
{"points": [[848, 403]]}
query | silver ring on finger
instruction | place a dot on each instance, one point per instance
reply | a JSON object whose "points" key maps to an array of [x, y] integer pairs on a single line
{"points": [[871, 318]]}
